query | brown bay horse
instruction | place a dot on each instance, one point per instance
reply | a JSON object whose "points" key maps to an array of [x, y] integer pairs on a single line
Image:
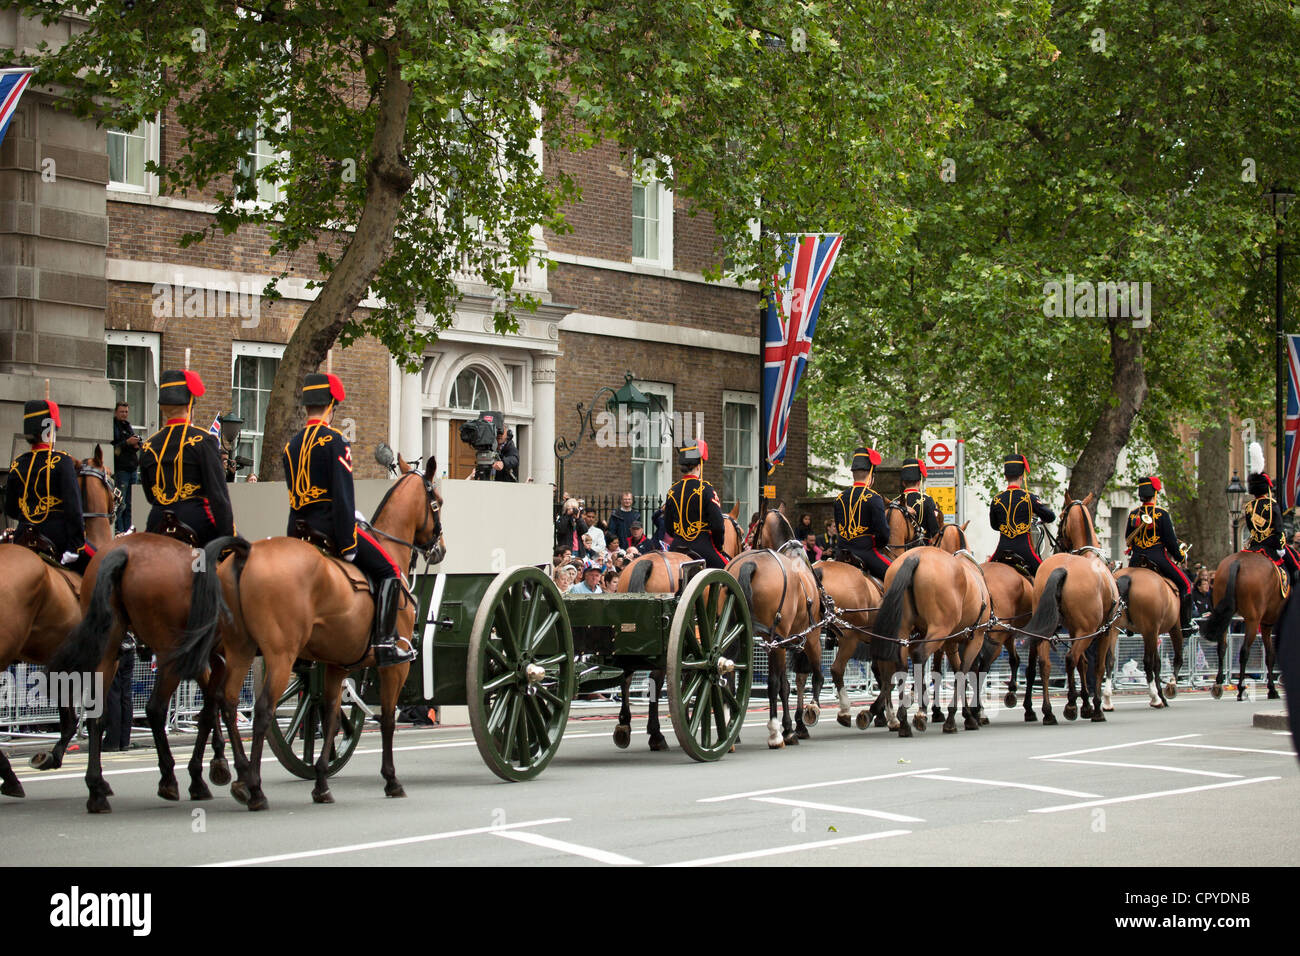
{"points": [[291, 601], [1152, 608], [1074, 588], [1245, 583], [43, 604], [660, 572], [856, 600], [932, 599]]}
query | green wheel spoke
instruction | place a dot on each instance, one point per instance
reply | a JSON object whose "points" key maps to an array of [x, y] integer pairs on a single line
{"points": [[309, 736], [697, 718], [512, 727], [535, 602], [515, 600], [719, 712], [547, 628], [724, 620], [692, 687], [346, 726], [523, 740], [735, 634], [499, 710], [742, 667], [695, 665], [703, 625], [506, 633], [299, 713], [554, 662], [729, 698], [550, 697], [538, 722], [497, 683], [495, 656]]}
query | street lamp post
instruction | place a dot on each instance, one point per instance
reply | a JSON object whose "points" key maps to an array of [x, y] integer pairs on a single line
{"points": [[628, 398], [1279, 199], [1235, 492]]}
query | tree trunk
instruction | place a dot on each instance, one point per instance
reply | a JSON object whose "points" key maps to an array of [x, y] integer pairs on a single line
{"points": [[1128, 388], [388, 179], [1196, 502]]}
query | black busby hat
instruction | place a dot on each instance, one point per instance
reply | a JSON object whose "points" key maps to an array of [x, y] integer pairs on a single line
{"points": [[864, 459], [913, 471], [1259, 483], [179, 387], [37, 413], [1148, 486], [321, 389], [691, 455], [1015, 465]]}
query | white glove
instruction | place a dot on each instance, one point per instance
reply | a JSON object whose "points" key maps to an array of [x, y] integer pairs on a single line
{"points": [[68, 557], [360, 517], [350, 556]]}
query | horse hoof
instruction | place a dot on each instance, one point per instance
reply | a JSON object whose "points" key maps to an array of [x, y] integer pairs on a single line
{"points": [[811, 714], [801, 733], [904, 730], [44, 761], [200, 791], [108, 791], [1273, 694], [881, 721], [1049, 720], [322, 796], [1030, 717], [12, 788], [169, 791], [1171, 689], [258, 803], [971, 724], [658, 744], [790, 738], [394, 789], [863, 720], [776, 744], [950, 726], [219, 772], [984, 721], [1009, 700], [1155, 704], [98, 805], [1071, 712], [622, 736], [1086, 712], [936, 714], [1098, 718], [1216, 691], [239, 790], [844, 720]]}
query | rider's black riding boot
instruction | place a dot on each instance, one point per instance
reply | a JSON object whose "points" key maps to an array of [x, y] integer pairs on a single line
{"points": [[386, 650], [1187, 609]]}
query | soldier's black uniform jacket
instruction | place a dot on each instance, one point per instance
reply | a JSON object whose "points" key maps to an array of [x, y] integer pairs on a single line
{"points": [[1157, 543], [863, 527], [1261, 516], [180, 471], [318, 470], [42, 495], [1012, 514], [924, 511], [691, 510]]}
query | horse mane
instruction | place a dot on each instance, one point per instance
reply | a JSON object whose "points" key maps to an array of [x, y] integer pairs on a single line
{"points": [[786, 529], [389, 493], [1065, 543]]}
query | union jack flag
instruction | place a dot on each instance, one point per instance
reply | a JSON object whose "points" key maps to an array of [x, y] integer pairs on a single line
{"points": [[12, 84], [215, 427], [1289, 492], [788, 328]]}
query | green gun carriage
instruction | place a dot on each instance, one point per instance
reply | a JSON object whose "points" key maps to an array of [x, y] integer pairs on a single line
{"points": [[517, 652]]}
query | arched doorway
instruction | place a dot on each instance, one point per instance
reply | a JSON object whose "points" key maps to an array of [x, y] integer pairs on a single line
{"points": [[470, 394]]}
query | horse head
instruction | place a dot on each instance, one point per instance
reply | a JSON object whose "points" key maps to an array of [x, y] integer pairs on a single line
{"points": [[1077, 530]]}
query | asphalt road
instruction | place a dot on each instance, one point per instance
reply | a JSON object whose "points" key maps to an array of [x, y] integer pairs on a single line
{"points": [[1193, 785]]}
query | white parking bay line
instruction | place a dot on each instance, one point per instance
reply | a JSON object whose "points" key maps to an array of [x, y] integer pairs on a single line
{"points": [[78, 775], [813, 786], [1009, 783], [796, 848], [1095, 750], [591, 853], [380, 844], [1150, 766], [1151, 796], [836, 808], [1240, 750]]}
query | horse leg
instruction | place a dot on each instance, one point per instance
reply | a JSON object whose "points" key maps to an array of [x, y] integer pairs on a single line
{"points": [[1216, 691], [936, 671], [236, 670], [1266, 635], [1252, 629], [787, 728], [10, 785], [800, 729], [1031, 666], [814, 711], [156, 711], [921, 681], [391, 680], [774, 741], [329, 717], [844, 717], [1160, 689], [657, 741], [1099, 674], [219, 768], [958, 693], [53, 758], [1045, 667], [207, 724], [278, 668], [623, 729], [1176, 637]]}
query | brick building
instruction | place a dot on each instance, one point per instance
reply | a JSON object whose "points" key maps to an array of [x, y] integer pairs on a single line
{"points": [[97, 295]]}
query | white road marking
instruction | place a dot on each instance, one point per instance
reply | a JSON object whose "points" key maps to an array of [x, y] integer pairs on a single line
{"points": [[1009, 783], [1240, 750], [80, 775], [796, 848], [591, 853], [380, 844], [1149, 766], [835, 808], [813, 786], [1150, 796], [1094, 750]]}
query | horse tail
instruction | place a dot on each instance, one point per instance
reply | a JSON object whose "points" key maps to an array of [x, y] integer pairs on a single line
{"points": [[890, 616], [1047, 616], [1217, 623], [988, 654], [1122, 584], [207, 609], [745, 577], [641, 572], [86, 645]]}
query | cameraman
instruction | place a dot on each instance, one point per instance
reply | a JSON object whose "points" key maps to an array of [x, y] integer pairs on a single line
{"points": [[507, 464], [569, 527]]}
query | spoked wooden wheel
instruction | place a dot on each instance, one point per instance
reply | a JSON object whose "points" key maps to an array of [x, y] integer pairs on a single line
{"points": [[520, 673], [710, 652], [295, 734]]}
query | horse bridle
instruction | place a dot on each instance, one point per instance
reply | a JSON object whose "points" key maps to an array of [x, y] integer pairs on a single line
{"points": [[1064, 544], [919, 538], [89, 471], [430, 516]]}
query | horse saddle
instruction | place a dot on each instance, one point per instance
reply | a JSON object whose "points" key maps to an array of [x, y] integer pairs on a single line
{"points": [[1014, 560], [33, 540], [1283, 578], [325, 545], [174, 527]]}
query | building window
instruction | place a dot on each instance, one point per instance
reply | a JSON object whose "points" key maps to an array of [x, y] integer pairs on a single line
{"points": [[740, 452], [131, 368], [127, 154], [651, 439], [652, 223], [470, 392], [252, 375], [261, 155]]}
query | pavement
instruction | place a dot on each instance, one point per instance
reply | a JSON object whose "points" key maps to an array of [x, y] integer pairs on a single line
{"points": [[1195, 784]]}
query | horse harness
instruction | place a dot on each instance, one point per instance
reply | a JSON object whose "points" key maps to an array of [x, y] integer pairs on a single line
{"points": [[89, 471]]}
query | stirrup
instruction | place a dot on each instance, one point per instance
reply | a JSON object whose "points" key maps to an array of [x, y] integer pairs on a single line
{"points": [[388, 654]]}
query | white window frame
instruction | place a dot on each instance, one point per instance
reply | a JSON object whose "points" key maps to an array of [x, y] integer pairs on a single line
{"points": [[663, 194], [239, 350], [749, 505], [152, 128], [666, 458], [153, 342], [253, 137]]}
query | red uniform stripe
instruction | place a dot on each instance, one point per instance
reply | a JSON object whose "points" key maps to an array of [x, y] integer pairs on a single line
{"points": [[387, 557]]}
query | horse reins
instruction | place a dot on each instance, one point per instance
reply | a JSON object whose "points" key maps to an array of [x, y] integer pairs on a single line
{"points": [[86, 471]]}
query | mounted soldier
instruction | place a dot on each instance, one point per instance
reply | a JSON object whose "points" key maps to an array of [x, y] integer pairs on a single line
{"points": [[1264, 520], [1012, 514], [180, 468], [692, 514], [322, 509], [860, 516], [42, 493], [1153, 543], [923, 510]]}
